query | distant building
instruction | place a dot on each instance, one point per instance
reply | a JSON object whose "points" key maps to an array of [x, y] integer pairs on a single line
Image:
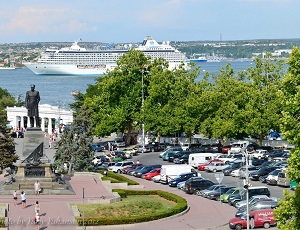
{"points": [[51, 117]]}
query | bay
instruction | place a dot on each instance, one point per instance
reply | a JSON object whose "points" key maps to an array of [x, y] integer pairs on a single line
{"points": [[56, 90]]}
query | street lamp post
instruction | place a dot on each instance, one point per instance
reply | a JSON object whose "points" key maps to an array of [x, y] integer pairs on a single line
{"points": [[246, 186], [143, 125]]}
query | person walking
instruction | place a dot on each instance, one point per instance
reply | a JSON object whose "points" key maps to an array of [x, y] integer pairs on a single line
{"points": [[23, 199], [37, 207], [15, 198], [37, 221], [37, 188]]}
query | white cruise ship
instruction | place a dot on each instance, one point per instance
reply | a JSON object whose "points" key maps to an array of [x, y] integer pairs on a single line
{"points": [[75, 60]]}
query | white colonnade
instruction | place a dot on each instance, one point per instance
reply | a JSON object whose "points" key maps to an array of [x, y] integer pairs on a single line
{"points": [[50, 117]]}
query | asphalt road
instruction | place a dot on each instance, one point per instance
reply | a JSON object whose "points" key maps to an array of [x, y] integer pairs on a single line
{"points": [[153, 158]]}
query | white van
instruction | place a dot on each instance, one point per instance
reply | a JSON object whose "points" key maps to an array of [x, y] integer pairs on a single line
{"points": [[238, 147], [168, 172], [200, 158]]}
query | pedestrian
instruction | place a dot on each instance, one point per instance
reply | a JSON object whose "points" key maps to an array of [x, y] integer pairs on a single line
{"points": [[37, 188], [37, 221], [50, 141], [15, 198], [23, 199], [37, 207]]}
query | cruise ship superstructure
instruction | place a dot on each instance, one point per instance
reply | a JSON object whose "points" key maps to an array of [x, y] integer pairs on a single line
{"points": [[75, 60]]}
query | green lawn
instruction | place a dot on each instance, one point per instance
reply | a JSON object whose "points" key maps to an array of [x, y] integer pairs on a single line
{"points": [[136, 205]]}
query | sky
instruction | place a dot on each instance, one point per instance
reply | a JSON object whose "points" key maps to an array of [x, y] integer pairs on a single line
{"points": [[117, 21]]}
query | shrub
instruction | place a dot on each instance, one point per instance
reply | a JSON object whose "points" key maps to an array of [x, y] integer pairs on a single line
{"points": [[116, 178], [181, 205]]}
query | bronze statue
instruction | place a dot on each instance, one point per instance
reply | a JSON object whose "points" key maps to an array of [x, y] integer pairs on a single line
{"points": [[32, 104]]}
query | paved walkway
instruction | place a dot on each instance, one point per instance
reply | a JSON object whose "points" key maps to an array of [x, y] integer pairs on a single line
{"points": [[55, 210]]}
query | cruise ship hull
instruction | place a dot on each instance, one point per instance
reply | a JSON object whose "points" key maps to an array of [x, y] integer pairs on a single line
{"points": [[74, 70], [64, 69]]}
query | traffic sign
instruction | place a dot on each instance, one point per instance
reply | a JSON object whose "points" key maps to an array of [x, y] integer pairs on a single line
{"points": [[219, 177]]}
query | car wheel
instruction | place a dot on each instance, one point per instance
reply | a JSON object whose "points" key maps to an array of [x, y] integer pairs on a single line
{"points": [[238, 227], [217, 198], [119, 171], [267, 225], [215, 170], [234, 203], [197, 192]]}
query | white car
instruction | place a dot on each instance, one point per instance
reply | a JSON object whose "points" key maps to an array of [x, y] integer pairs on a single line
{"points": [[258, 153], [156, 179], [235, 173], [243, 203], [119, 166]]}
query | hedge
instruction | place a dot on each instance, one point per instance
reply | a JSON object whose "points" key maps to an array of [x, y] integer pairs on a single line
{"points": [[2, 222], [117, 178], [178, 208]]}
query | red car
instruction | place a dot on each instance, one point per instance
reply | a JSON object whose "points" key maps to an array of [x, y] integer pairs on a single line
{"points": [[201, 167], [131, 167], [152, 173], [226, 148]]}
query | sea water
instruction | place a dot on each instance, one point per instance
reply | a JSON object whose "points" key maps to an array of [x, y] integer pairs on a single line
{"points": [[57, 90]]}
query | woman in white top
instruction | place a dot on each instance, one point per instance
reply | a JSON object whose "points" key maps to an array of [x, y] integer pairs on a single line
{"points": [[37, 207], [23, 199]]}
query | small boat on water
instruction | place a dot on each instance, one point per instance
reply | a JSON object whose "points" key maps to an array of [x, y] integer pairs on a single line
{"points": [[7, 68]]}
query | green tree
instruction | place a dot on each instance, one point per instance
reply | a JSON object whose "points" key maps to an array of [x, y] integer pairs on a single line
{"points": [[75, 144], [263, 109], [116, 98], [7, 146], [288, 212], [223, 104]]}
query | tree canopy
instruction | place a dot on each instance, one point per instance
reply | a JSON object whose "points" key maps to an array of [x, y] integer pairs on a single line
{"points": [[288, 212]]}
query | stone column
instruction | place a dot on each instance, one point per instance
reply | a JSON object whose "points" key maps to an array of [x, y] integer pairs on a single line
{"points": [[28, 122], [22, 122], [43, 124], [50, 125]]}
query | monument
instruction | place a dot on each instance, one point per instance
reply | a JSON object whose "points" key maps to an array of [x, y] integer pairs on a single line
{"points": [[33, 164]]}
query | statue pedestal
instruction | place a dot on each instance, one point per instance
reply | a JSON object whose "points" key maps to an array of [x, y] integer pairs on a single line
{"points": [[32, 139], [35, 166]]}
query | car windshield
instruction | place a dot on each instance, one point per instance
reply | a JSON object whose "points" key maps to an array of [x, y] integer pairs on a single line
{"points": [[230, 191], [104, 164], [118, 164], [153, 171]]}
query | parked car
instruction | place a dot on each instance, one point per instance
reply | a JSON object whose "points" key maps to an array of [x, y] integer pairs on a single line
{"points": [[104, 166], [202, 166], [258, 205], [154, 147], [215, 195], [143, 149], [181, 177], [258, 218], [194, 186], [226, 148], [177, 155], [145, 170], [243, 203], [129, 168], [252, 191], [206, 192], [261, 172], [233, 191], [152, 173], [97, 148], [282, 179], [119, 142], [273, 153], [171, 149], [215, 166], [184, 159], [230, 167], [272, 177], [119, 166]]}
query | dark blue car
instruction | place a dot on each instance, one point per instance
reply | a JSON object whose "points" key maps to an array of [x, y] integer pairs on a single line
{"points": [[182, 177]]}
